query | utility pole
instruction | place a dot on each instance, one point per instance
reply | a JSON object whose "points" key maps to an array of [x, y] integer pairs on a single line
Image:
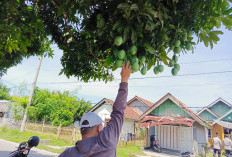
{"points": [[31, 95]]}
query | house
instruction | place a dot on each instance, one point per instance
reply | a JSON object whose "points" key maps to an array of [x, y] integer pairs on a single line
{"points": [[3, 107], [219, 114], [175, 126], [135, 107]]}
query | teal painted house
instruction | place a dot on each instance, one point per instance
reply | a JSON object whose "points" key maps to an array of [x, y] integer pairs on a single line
{"points": [[219, 114], [175, 126]]}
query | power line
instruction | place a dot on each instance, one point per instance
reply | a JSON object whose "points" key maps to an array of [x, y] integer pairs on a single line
{"points": [[194, 62], [206, 61], [180, 75], [141, 78]]}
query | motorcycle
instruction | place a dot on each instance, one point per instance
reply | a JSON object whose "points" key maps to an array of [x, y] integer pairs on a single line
{"points": [[154, 144], [25, 147]]}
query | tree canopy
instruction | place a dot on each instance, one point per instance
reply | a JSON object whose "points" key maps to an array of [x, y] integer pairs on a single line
{"points": [[96, 36], [4, 92], [52, 106]]}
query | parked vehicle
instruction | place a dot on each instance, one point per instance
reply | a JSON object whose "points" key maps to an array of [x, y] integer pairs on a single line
{"points": [[154, 144], [25, 147]]}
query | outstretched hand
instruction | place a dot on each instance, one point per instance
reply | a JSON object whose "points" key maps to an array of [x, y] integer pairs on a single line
{"points": [[126, 72]]}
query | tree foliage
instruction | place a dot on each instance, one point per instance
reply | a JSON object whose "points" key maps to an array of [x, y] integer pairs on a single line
{"points": [[56, 107], [22, 34], [97, 36], [19, 106], [4, 92]]}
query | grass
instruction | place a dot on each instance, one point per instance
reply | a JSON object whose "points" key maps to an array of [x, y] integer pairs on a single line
{"points": [[129, 151], [16, 136]]}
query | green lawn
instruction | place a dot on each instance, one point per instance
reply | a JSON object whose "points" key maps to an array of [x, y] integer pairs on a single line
{"points": [[16, 136], [129, 151]]}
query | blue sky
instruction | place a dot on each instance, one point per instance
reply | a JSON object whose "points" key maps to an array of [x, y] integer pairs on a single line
{"points": [[193, 90]]}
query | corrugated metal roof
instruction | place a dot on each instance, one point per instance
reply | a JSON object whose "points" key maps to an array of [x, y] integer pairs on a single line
{"points": [[154, 120]]}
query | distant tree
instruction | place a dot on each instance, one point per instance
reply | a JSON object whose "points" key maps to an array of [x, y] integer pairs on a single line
{"points": [[4, 92], [19, 106], [56, 107]]}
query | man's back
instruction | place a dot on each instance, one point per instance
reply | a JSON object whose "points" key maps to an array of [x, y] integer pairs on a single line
{"points": [[227, 143], [103, 145], [216, 143]]}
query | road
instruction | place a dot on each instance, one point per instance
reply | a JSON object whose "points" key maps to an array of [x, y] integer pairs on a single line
{"points": [[6, 147]]}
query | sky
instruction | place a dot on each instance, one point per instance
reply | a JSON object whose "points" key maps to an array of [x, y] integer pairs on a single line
{"points": [[204, 76]]}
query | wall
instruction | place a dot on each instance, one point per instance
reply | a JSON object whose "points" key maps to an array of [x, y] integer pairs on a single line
{"points": [[217, 129], [128, 126], [220, 108], [186, 139], [169, 108], [207, 116], [104, 111], [139, 106], [199, 136]]}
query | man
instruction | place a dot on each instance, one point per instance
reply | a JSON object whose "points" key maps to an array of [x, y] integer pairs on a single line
{"points": [[217, 146], [227, 145], [96, 140]]}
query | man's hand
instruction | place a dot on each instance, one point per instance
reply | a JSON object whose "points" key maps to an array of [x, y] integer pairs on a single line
{"points": [[126, 72]]}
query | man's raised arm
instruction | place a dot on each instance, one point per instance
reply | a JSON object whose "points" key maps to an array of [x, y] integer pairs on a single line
{"points": [[109, 136]]}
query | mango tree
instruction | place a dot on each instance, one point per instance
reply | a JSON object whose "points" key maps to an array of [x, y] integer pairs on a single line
{"points": [[97, 36]]}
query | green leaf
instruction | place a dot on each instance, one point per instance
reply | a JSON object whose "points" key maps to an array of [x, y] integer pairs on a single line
{"points": [[133, 36], [126, 33], [134, 7], [206, 42], [215, 32], [116, 25], [108, 61], [123, 6], [69, 40], [213, 37]]}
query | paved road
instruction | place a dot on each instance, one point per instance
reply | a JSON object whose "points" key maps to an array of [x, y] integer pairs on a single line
{"points": [[6, 147]]}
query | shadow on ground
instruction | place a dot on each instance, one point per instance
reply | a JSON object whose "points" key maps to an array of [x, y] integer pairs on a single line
{"points": [[32, 154]]}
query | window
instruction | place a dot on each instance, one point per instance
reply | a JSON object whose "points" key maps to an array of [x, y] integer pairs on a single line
{"points": [[209, 133], [228, 131]]}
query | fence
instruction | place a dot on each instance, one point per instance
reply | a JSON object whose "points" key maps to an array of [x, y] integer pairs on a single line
{"points": [[68, 134], [72, 134]]}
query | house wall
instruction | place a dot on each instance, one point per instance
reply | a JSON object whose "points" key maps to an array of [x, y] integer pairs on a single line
{"points": [[169, 136], [216, 129], [200, 136], [104, 111], [220, 108], [186, 139], [128, 126], [207, 116], [169, 108], [139, 106]]}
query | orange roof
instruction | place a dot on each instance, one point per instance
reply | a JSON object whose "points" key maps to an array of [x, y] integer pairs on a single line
{"points": [[145, 101], [130, 113], [110, 101], [148, 103]]}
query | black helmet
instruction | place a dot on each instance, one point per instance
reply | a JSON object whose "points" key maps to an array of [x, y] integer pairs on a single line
{"points": [[33, 141]]}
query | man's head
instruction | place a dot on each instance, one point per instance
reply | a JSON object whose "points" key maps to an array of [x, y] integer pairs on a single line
{"points": [[91, 125]]}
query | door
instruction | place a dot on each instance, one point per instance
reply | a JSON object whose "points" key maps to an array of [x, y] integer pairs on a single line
{"points": [[186, 139], [168, 136]]}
